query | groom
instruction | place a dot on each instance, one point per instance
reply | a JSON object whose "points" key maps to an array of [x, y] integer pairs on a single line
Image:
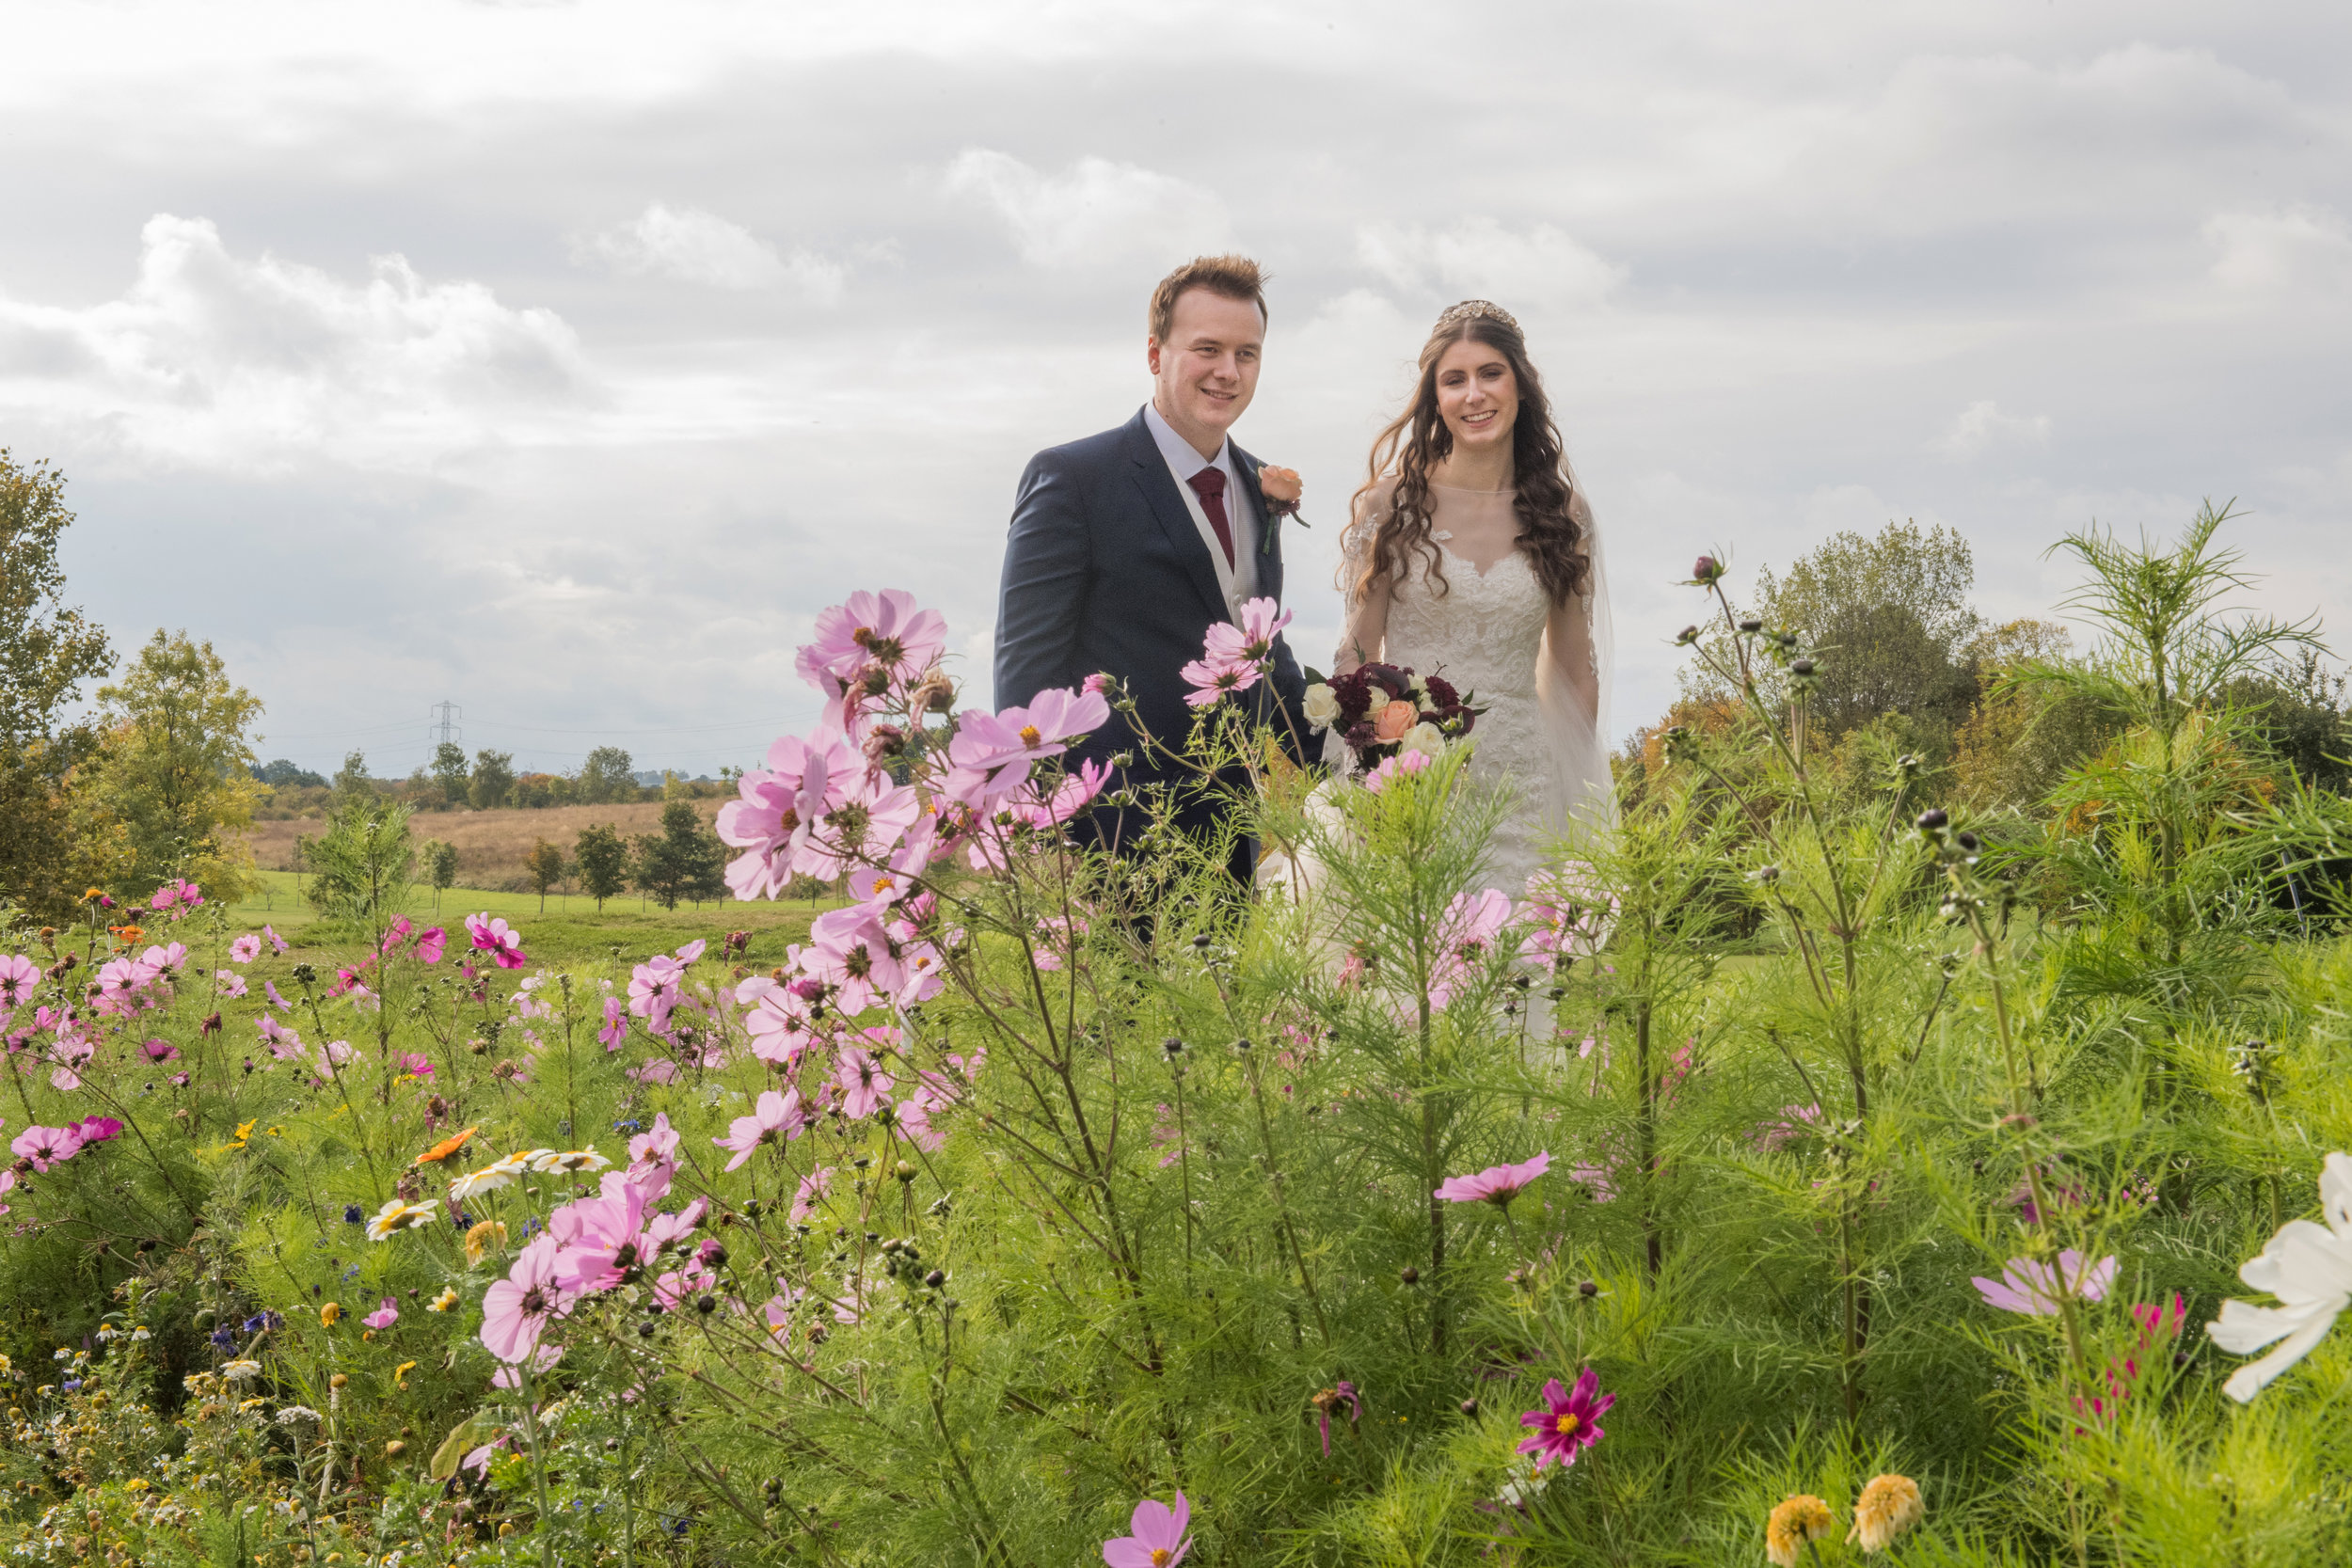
{"points": [[1127, 545]]}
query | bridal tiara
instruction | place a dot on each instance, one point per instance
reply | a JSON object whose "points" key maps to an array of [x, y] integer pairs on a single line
{"points": [[1471, 309]]}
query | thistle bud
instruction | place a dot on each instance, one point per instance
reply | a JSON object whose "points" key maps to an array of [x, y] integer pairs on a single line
{"points": [[706, 1304], [1801, 668], [936, 1278], [1588, 1290], [1687, 635], [1410, 1275], [1173, 1046], [1933, 819], [1750, 625], [1706, 571]]}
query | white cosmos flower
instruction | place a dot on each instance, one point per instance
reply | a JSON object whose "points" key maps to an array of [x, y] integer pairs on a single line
{"points": [[2308, 1268]]}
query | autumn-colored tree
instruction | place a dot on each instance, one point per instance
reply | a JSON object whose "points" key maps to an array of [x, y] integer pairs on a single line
{"points": [[175, 768]]}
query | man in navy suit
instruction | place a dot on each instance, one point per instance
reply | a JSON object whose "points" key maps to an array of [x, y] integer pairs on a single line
{"points": [[1128, 546]]}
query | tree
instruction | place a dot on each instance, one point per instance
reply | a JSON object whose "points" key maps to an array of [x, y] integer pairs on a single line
{"points": [[49, 851], [493, 776], [175, 770], [449, 770], [607, 775], [1891, 619], [603, 862], [283, 773], [439, 860], [546, 866], [360, 866], [352, 777], [684, 860]]}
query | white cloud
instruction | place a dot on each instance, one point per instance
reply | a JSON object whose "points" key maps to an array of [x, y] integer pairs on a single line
{"points": [[695, 246], [1095, 211], [2289, 247], [1982, 426], [1535, 269], [220, 361]]}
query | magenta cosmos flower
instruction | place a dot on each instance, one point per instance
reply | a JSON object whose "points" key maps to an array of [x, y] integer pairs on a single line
{"points": [[245, 949], [497, 939], [19, 978], [887, 628], [1496, 1184], [47, 1145], [781, 805], [1569, 1420], [863, 1084], [1158, 1538]]}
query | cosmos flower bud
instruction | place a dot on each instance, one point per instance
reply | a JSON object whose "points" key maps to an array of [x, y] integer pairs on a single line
{"points": [[1933, 819], [1800, 667], [1687, 635], [1706, 571], [1750, 625], [1411, 1275], [1588, 1290], [935, 1278]]}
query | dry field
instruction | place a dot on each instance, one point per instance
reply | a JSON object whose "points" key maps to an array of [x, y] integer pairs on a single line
{"points": [[492, 846]]}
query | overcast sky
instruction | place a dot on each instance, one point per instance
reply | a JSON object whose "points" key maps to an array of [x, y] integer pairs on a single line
{"points": [[563, 360]]}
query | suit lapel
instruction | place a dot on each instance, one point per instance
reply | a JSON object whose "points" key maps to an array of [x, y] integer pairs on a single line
{"points": [[1159, 493], [1269, 527]]}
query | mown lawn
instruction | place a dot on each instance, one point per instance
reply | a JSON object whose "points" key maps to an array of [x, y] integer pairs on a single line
{"points": [[570, 929]]}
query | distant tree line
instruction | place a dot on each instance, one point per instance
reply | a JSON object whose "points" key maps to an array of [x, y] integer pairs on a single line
{"points": [[486, 781]]}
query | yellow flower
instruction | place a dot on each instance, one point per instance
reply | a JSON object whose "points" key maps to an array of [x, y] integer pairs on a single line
{"points": [[400, 1374], [329, 1314], [487, 1237], [443, 1303], [245, 1131], [1889, 1506], [1801, 1518]]}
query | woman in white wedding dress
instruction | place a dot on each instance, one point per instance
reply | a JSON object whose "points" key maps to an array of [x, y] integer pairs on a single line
{"points": [[1471, 554]]}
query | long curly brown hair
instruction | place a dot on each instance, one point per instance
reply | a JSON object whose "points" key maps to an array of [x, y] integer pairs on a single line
{"points": [[1552, 514]]}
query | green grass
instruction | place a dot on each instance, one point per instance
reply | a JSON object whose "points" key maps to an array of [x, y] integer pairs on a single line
{"points": [[570, 930]]}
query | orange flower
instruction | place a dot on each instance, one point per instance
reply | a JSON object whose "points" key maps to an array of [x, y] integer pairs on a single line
{"points": [[447, 1147], [1394, 720], [126, 934], [1279, 485]]}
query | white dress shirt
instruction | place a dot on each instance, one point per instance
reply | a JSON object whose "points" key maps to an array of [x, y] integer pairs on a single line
{"points": [[1239, 581]]}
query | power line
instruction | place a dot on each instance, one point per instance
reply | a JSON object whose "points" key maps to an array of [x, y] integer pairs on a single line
{"points": [[443, 728]]}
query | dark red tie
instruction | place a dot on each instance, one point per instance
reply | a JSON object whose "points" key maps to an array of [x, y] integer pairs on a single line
{"points": [[1208, 484]]}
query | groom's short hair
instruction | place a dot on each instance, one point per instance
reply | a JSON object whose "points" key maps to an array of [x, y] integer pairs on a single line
{"points": [[1229, 277]]}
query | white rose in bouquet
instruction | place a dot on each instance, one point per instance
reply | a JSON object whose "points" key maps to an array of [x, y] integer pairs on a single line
{"points": [[1423, 737], [1322, 706]]}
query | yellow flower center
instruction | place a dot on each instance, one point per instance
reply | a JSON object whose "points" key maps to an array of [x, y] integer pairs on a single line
{"points": [[1160, 1556], [1030, 737], [1566, 1425]]}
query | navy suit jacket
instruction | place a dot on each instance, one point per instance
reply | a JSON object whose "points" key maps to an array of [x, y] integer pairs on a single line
{"points": [[1105, 570]]}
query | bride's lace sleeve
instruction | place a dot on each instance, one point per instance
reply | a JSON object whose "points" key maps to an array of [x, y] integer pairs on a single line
{"points": [[1367, 610]]}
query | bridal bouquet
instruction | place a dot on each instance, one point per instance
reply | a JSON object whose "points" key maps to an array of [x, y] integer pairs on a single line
{"points": [[1379, 710]]}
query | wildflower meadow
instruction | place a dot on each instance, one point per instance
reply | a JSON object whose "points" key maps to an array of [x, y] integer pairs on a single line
{"points": [[1811, 1168]]}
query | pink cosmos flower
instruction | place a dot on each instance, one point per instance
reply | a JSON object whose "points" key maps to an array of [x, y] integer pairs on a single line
{"points": [[1796, 1121], [431, 943], [615, 1031], [2033, 1288], [1496, 1184], [1568, 1421], [19, 978], [1572, 914], [888, 629], [46, 1145], [811, 1191], [872, 818], [693, 950], [780, 804], [774, 1117], [415, 1064], [231, 984], [124, 977], [1389, 770], [269, 989], [652, 1151], [1212, 678], [1156, 1537], [276, 942], [851, 950], [602, 1236], [1467, 935], [1000, 748], [653, 990], [864, 1086], [245, 949], [160, 1050], [915, 1125], [495, 938], [383, 1317], [1250, 641], [1165, 1136]]}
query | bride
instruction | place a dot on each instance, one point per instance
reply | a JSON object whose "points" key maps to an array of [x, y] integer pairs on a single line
{"points": [[1471, 554]]}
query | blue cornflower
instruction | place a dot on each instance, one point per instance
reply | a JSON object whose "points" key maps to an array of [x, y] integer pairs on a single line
{"points": [[224, 1339], [465, 1221], [352, 1215], [73, 1386], [630, 1126], [257, 1322], [352, 1273]]}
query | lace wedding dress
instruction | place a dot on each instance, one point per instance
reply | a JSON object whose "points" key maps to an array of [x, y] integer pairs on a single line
{"points": [[1540, 671]]}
